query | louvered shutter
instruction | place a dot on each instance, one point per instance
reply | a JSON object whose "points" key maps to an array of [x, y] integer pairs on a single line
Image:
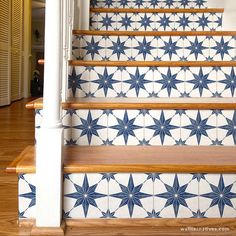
{"points": [[5, 51], [16, 50]]}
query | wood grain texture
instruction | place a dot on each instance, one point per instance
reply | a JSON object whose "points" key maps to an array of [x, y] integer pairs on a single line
{"points": [[154, 63], [154, 33], [139, 159], [16, 132], [143, 103], [151, 10]]}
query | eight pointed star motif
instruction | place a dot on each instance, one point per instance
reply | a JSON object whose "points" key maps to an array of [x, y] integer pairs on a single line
{"points": [[105, 81], [85, 195], [162, 127], [126, 127], [92, 48], [107, 21], [145, 21], [118, 48], [222, 47], [137, 81], [164, 21], [196, 48], [198, 127], [89, 127], [221, 195], [144, 48], [203, 21], [183, 21], [170, 48], [176, 195], [169, 81], [201, 81], [131, 195], [126, 21]]}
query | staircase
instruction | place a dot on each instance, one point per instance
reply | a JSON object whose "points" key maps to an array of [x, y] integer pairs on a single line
{"points": [[149, 120]]}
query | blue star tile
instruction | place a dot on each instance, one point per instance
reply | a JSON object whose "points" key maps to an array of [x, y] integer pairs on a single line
{"points": [[89, 127], [221, 195], [176, 195], [105, 81], [162, 127], [125, 127], [198, 127], [137, 81], [169, 81], [85, 195], [92, 48], [201, 81], [130, 195]]}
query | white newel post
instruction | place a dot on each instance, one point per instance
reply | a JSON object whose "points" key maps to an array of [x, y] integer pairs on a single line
{"points": [[50, 140]]}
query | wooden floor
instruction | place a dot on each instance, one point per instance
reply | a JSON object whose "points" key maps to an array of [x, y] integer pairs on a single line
{"points": [[17, 132]]}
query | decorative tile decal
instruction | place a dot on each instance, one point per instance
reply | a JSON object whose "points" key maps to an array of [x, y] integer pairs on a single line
{"points": [[85, 196], [156, 21], [218, 195], [139, 195], [153, 127], [144, 82], [26, 195], [154, 48]]}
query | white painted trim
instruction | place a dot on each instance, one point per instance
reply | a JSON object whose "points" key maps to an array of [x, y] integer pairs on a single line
{"points": [[49, 178], [53, 64], [50, 139]]}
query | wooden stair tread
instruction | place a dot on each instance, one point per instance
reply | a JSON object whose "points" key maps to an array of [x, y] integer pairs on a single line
{"points": [[143, 103], [154, 33], [126, 159], [152, 63], [155, 10]]}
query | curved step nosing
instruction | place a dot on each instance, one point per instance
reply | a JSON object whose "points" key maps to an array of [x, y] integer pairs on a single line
{"points": [[153, 33], [153, 10], [159, 104], [154, 63]]}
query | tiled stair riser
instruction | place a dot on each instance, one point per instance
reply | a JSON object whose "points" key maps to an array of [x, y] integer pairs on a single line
{"points": [[139, 195], [148, 127], [148, 4], [156, 21], [143, 82], [154, 48]]}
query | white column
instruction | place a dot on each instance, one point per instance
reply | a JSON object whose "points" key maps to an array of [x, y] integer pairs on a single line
{"points": [[84, 14], [50, 139]]}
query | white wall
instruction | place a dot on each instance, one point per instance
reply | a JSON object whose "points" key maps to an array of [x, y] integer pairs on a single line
{"points": [[229, 17]]}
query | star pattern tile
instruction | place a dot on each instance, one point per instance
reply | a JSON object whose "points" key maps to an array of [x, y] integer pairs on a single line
{"points": [[128, 195]]}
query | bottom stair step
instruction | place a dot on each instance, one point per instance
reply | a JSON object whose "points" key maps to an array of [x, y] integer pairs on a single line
{"points": [[169, 159], [134, 183]]}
